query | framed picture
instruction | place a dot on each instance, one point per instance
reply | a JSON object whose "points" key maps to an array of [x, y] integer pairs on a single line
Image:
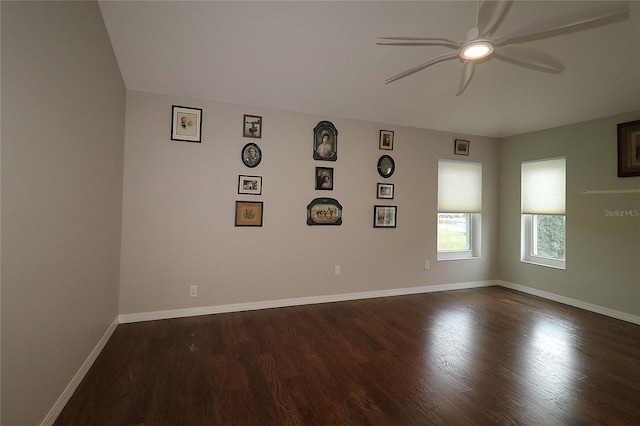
{"points": [[629, 149], [251, 155], [324, 178], [324, 211], [325, 142], [385, 216], [249, 213], [252, 127], [385, 190], [386, 139], [461, 147], [386, 166], [250, 185], [186, 124]]}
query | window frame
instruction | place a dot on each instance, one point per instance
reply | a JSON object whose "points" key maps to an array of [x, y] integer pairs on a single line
{"points": [[473, 237], [529, 241]]}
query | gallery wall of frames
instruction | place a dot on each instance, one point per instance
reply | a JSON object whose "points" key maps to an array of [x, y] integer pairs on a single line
{"points": [[186, 126], [254, 204]]}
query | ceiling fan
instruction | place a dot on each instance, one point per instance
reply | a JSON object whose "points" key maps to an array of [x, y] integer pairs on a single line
{"points": [[480, 43]]}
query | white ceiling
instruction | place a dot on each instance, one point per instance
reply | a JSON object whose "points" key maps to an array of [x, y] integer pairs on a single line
{"points": [[321, 57]]}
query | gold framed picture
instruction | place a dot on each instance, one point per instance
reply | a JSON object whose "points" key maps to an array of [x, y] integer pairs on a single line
{"points": [[249, 213]]}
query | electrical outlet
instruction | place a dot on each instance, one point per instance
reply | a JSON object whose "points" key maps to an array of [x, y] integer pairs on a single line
{"points": [[426, 265], [193, 291], [337, 270]]}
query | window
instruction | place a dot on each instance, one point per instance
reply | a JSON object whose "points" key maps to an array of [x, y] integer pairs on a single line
{"points": [[543, 212], [459, 207]]}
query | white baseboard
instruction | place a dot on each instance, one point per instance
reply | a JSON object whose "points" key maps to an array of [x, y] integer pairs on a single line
{"points": [[219, 309], [75, 382], [572, 302]]}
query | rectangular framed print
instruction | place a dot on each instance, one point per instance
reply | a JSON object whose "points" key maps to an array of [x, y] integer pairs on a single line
{"points": [[249, 213], [385, 216], [386, 140], [629, 149], [324, 178], [461, 147], [252, 126], [250, 185], [385, 191], [186, 124]]}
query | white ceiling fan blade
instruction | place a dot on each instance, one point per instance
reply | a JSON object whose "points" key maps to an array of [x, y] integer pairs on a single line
{"points": [[490, 14], [435, 60], [465, 77], [561, 20], [427, 39], [422, 43], [530, 56]]}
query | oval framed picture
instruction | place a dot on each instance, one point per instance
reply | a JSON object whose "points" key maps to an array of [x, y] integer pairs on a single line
{"points": [[251, 155]]}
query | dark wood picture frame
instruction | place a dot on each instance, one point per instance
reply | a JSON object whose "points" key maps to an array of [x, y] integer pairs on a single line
{"points": [[251, 155], [385, 191], [249, 213], [325, 142], [251, 185], [324, 178], [252, 126], [386, 140], [386, 166], [324, 211], [629, 149], [461, 147], [186, 124], [385, 216]]}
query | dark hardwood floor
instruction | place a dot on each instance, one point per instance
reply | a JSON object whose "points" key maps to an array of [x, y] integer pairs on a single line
{"points": [[481, 356]]}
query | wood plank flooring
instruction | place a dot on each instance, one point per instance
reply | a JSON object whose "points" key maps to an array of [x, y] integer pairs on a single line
{"points": [[469, 357]]}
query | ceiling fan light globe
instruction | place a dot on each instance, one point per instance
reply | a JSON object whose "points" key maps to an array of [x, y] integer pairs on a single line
{"points": [[476, 50]]}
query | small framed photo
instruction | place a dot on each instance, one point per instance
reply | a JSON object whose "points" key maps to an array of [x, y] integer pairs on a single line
{"points": [[252, 126], [324, 178], [251, 155], [385, 216], [385, 190], [461, 147], [325, 142], [186, 124], [324, 211], [249, 213], [629, 149], [250, 185], [386, 139]]}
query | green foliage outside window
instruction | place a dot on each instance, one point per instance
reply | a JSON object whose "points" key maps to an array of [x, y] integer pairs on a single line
{"points": [[550, 231]]}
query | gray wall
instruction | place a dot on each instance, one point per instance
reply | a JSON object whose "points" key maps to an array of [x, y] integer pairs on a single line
{"points": [[63, 109], [179, 201], [602, 247]]}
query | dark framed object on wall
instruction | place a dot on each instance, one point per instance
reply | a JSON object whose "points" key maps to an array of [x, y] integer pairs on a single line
{"points": [[251, 185], [386, 166], [385, 191], [251, 155], [186, 124], [629, 149], [461, 147], [252, 126], [325, 142], [249, 213], [385, 216], [386, 140], [324, 211], [324, 178]]}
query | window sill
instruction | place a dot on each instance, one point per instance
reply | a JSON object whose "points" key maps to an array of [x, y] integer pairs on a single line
{"points": [[549, 263]]}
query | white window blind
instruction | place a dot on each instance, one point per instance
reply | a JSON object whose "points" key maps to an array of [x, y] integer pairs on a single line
{"points": [[544, 186], [459, 187]]}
